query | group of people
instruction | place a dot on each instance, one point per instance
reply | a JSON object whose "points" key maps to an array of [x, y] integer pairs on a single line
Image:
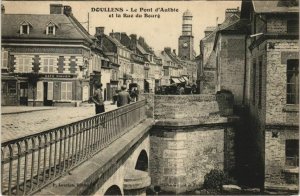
{"points": [[123, 98]]}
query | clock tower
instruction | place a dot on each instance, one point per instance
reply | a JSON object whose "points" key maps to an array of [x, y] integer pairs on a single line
{"points": [[186, 40]]}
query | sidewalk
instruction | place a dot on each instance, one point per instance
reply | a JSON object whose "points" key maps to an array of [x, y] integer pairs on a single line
{"points": [[21, 121]]}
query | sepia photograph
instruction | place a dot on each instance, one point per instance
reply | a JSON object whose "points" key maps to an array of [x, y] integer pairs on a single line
{"points": [[121, 97]]}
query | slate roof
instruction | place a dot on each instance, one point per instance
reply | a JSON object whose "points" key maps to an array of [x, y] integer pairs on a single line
{"points": [[275, 6], [240, 25], [68, 27]]}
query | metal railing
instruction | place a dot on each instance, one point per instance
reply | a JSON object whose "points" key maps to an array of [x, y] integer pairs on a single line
{"points": [[31, 162]]}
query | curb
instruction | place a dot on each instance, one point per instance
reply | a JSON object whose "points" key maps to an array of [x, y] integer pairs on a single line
{"points": [[27, 111]]}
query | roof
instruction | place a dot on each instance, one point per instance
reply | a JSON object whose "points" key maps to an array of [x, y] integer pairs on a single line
{"points": [[210, 28], [67, 27], [163, 55], [275, 6], [141, 49], [240, 25]]}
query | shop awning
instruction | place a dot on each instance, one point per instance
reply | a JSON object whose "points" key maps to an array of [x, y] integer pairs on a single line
{"points": [[181, 80], [149, 81], [186, 79], [104, 58], [175, 80]]}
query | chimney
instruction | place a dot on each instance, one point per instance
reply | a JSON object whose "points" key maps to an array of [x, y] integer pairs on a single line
{"points": [[67, 10], [117, 36], [99, 31], [56, 9], [167, 49], [2, 9], [133, 42], [141, 40], [174, 51], [231, 11]]}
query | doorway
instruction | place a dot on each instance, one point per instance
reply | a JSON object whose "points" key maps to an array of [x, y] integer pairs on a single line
{"points": [[48, 94], [24, 93]]}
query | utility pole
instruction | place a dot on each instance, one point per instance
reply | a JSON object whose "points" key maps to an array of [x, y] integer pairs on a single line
{"points": [[88, 22]]}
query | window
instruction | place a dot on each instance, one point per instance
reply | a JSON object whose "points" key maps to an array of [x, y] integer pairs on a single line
{"points": [[40, 90], [146, 74], [66, 91], [292, 153], [292, 94], [293, 26], [254, 82], [12, 87], [132, 68], [24, 64], [166, 72], [260, 84], [51, 30], [4, 58], [24, 27], [48, 65]]}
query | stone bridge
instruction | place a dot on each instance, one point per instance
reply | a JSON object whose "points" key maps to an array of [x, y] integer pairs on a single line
{"points": [[170, 142], [121, 168]]}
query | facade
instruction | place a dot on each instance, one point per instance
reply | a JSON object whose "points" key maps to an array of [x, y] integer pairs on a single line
{"points": [[42, 64], [273, 90], [230, 51], [207, 61], [116, 64]]}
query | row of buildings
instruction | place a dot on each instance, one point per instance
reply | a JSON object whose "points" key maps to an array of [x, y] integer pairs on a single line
{"points": [[51, 59], [254, 54]]}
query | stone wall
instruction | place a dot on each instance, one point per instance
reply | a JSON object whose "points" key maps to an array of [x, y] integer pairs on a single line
{"points": [[198, 107], [277, 111], [232, 65], [193, 134], [180, 158], [275, 158]]}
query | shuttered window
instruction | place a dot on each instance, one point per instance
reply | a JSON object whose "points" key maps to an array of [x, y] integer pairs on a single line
{"points": [[48, 65], [50, 91], [66, 91], [39, 90], [4, 58], [24, 64]]}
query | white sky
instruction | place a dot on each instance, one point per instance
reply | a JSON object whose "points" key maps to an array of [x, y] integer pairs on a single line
{"points": [[158, 33]]}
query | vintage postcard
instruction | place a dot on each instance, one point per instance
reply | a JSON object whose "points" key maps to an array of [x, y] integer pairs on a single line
{"points": [[150, 97]]}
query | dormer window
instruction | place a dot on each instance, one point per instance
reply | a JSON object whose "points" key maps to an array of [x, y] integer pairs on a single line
{"points": [[51, 28], [24, 28]]}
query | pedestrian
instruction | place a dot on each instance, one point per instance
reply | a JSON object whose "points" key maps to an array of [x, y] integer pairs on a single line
{"points": [[123, 97], [115, 97], [97, 98], [181, 90], [136, 90], [132, 94]]}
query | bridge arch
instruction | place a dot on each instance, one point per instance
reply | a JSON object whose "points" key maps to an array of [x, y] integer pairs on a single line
{"points": [[142, 161], [113, 190]]}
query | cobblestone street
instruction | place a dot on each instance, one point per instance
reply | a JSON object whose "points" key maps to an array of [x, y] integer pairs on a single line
{"points": [[26, 122]]}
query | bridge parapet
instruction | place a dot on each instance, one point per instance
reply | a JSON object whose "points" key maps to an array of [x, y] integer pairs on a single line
{"points": [[29, 163]]}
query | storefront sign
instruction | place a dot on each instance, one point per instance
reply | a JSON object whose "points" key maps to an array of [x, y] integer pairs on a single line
{"points": [[57, 76]]}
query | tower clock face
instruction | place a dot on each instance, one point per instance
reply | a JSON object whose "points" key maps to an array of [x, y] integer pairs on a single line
{"points": [[185, 44]]}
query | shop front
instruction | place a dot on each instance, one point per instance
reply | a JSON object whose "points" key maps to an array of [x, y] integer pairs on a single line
{"points": [[9, 91]]}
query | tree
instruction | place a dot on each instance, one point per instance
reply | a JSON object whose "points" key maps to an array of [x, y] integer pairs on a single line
{"points": [[33, 78]]}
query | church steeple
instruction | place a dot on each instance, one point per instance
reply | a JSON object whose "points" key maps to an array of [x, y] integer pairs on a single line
{"points": [[187, 27], [186, 40]]}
